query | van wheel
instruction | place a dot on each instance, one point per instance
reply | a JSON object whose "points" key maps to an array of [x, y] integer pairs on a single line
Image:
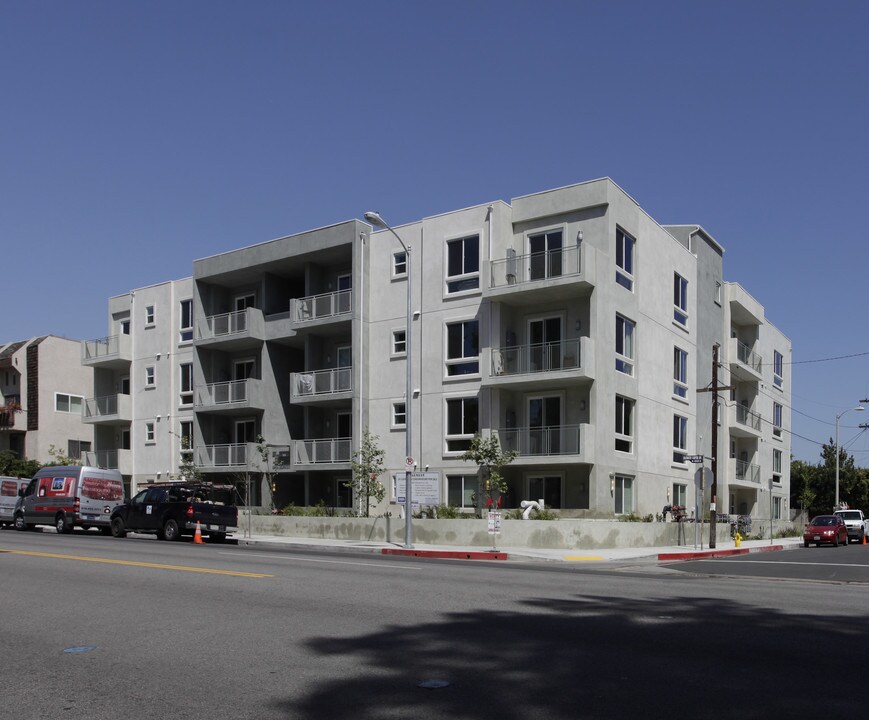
{"points": [[117, 528], [171, 531], [62, 524], [19, 522]]}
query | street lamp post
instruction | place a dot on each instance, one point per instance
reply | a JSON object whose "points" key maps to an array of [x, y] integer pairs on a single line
{"points": [[859, 407], [375, 219]]}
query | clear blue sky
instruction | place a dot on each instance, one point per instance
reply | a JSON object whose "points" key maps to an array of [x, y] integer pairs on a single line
{"points": [[136, 137]]}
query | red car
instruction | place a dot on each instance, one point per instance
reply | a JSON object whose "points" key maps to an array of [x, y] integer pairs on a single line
{"points": [[826, 529]]}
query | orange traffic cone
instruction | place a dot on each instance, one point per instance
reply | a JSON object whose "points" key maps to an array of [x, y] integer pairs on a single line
{"points": [[864, 539], [197, 537]]}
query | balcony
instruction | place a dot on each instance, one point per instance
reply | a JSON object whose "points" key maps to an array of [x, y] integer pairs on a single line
{"points": [[542, 276], [239, 457], [321, 309], [108, 410], [321, 385], [745, 364], [229, 397], [317, 453], [113, 352], [237, 330], [543, 364], [743, 422], [547, 445], [120, 460], [745, 473]]}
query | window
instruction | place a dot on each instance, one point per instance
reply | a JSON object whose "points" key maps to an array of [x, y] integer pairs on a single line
{"points": [[623, 494], [149, 315], [399, 342], [717, 295], [187, 384], [463, 348], [680, 373], [680, 494], [776, 466], [150, 377], [68, 403], [186, 434], [624, 424], [399, 264], [777, 508], [75, 448], [547, 488], [462, 423], [680, 438], [186, 323], [624, 259], [777, 368], [680, 299], [624, 345], [776, 419], [461, 490], [149, 432], [399, 415], [463, 264], [545, 255], [125, 327]]}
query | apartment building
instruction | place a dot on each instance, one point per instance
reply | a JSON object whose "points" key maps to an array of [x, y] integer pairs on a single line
{"points": [[140, 401], [42, 390], [567, 323]]}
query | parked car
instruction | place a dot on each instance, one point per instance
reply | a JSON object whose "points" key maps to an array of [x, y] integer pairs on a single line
{"points": [[9, 492], [825, 529], [856, 523]]}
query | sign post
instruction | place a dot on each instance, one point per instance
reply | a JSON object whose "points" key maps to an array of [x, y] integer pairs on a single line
{"points": [[494, 525]]}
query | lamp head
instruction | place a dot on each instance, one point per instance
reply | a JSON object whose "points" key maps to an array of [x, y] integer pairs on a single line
{"points": [[375, 219]]}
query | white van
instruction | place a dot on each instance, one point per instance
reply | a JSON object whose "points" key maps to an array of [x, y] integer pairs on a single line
{"points": [[70, 496], [9, 487]]}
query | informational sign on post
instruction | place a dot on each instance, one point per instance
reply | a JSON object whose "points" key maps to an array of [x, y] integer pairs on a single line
{"points": [[494, 519], [426, 488]]}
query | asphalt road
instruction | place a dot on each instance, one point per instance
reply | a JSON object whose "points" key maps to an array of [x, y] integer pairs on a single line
{"points": [[177, 630]]}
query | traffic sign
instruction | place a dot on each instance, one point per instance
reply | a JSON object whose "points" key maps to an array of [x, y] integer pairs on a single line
{"points": [[694, 458], [409, 463]]}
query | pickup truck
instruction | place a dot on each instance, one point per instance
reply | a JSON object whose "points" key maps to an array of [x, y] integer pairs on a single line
{"points": [[171, 511], [857, 524]]}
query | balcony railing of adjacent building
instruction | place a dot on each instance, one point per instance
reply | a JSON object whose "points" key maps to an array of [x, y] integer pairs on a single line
{"points": [[748, 357], [329, 450], [746, 417], [108, 406], [747, 472], [108, 459], [319, 307], [540, 357], [114, 347], [225, 393], [321, 382], [519, 269], [535, 441]]}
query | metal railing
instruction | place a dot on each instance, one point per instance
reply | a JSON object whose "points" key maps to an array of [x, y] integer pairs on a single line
{"points": [[540, 357], [534, 441], [101, 406], [331, 450], [747, 472], [231, 323], [519, 269], [101, 348], [228, 455], [316, 307], [321, 382], [748, 357], [222, 393], [746, 417]]}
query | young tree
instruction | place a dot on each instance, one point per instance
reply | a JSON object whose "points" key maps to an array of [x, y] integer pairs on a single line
{"points": [[187, 469], [487, 453], [367, 467], [60, 458]]}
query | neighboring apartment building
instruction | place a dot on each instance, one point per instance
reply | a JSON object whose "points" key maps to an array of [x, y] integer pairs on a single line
{"points": [[42, 391], [568, 323], [140, 402]]}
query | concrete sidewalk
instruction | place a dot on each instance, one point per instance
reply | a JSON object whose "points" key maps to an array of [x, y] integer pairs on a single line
{"points": [[602, 555]]}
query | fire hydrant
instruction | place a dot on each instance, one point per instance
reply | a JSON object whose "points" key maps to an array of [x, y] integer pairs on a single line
{"points": [[738, 539]]}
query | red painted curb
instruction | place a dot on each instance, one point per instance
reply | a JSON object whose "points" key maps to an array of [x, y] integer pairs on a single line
{"points": [[446, 554], [716, 553]]}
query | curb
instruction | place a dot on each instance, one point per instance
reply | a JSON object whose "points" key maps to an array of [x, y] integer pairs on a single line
{"points": [[716, 553], [447, 554]]}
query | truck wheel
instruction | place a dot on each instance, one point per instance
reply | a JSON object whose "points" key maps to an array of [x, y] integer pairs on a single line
{"points": [[62, 524], [118, 529], [171, 531], [19, 522]]}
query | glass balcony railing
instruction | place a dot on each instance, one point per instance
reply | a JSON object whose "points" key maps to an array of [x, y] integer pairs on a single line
{"points": [[536, 441], [321, 382], [540, 357]]}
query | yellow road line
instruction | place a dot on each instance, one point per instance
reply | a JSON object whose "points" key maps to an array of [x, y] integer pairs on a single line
{"points": [[583, 557], [133, 563]]}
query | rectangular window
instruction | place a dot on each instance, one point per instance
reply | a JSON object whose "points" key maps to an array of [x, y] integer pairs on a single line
{"points": [[623, 494], [680, 299], [624, 259], [777, 508], [547, 488], [463, 348], [680, 494], [187, 384], [186, 321], [186, 434], [463, 264], [776, 466], [776, 419], [461, 490], [462, 423], [625, 345], [399, 342], [150, 377], [624, 424], [680, 438], [680, 372], [75, 448], [68, 403], [777, 368], [149, 432], [399, 264], [150, 315], [717, 295], [399, 415]]}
